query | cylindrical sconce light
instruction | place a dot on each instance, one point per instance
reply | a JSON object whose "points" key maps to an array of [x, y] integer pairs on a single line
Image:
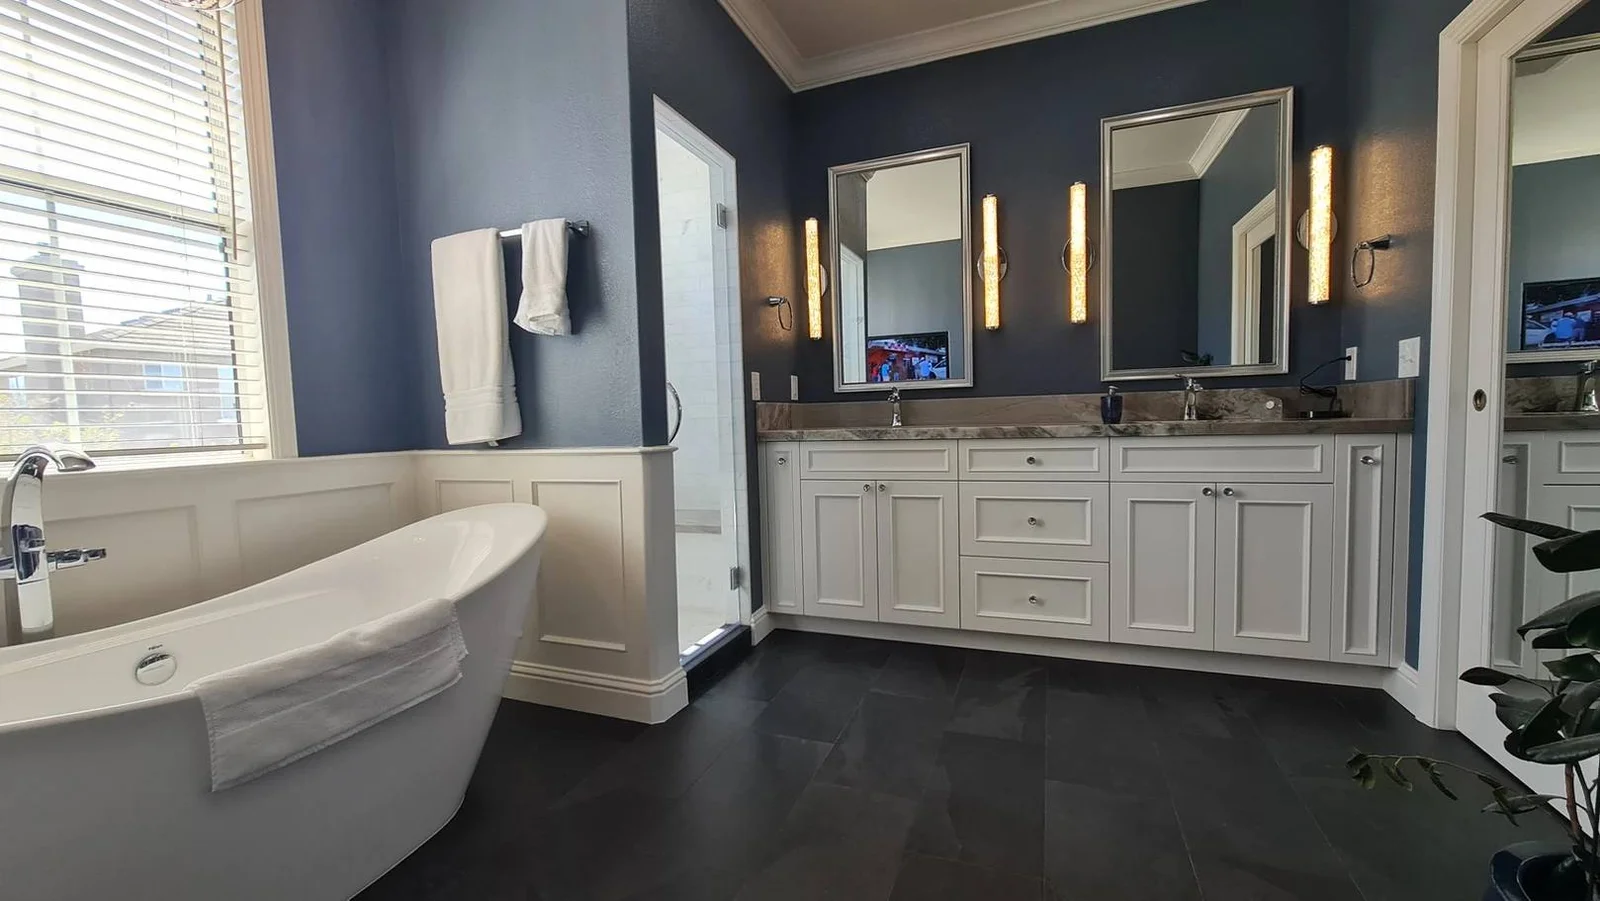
{"points": [[991, 262], [1319, 230], [813, 281], [1078, 254]]}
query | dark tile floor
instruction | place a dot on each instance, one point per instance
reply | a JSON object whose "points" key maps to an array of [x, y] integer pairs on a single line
{"points": [[856, 770]]}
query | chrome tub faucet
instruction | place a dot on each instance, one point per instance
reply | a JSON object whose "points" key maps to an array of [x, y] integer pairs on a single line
{"points": [[25, 564]]}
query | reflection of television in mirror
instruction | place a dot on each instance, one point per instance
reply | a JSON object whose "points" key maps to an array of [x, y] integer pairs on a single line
{"points": [[916, 357], [1561, 314]]}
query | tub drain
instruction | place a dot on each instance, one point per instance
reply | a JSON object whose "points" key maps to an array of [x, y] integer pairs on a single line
{"points": [[155, 669]]}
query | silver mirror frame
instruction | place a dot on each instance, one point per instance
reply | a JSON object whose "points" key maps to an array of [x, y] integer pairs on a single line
{"points": [[963, 152], [1561, 47], [1286, 242]]}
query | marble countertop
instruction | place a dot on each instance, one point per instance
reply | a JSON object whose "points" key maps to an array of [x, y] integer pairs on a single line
{"points": [[1099, 430], [1551, 422]]}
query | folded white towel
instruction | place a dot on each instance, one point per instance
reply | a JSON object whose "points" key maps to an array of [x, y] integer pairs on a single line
{"points": [[543, 308], [469, 303], [271, 713]]}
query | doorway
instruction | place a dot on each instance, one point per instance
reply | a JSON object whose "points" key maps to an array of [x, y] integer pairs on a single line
{"points": [[697, 193]]}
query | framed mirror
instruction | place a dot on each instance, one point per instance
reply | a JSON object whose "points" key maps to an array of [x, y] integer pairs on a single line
{"points": [[1196, 239], [1553, 270], [901, 268]]}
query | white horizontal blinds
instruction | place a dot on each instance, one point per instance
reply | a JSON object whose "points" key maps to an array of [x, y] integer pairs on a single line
{"points": [[128, 314]]}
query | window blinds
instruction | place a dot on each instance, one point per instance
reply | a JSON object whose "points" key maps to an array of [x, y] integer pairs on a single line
{"points": [[129, 321]]}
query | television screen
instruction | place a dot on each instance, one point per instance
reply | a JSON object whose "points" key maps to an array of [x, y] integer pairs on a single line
{"points": [[920, 357], [1561, 314]]}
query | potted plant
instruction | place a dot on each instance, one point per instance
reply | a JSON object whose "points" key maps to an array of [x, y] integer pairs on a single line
{"points": [[1554, 721]]}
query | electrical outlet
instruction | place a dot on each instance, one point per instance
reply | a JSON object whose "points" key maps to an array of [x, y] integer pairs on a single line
{"points": [[755, 386], [1410, 365], [794, 387], [1350, 363]]}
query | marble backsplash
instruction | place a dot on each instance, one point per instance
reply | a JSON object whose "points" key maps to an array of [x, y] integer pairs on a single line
{"points": [[1542, 394], [1393, 399]]}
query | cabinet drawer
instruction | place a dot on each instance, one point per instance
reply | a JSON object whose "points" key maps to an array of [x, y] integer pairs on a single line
{"points": [[1244, 459], [1063, 521], [1572, 458], [1024, 459], [870, 459], [1036, 597]]}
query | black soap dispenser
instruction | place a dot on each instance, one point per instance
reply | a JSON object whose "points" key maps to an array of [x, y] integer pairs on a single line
{"points": [[1111, 406]]}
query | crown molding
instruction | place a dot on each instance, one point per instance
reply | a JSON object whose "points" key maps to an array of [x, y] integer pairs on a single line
{"points": [[1153, 175], [986, 32], [1217, 138], [757, 23]]}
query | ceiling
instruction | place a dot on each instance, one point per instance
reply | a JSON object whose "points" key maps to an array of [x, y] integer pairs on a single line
{"points": [[1176, 150], [1557, 109], [816, 42]]}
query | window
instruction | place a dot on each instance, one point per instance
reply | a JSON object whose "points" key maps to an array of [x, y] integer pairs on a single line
{"points": [[130, 313]]}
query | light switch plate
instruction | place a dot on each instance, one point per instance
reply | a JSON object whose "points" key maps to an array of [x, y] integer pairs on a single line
{"points": [[755, 386], [794, 387], [1410, 358], [1350, 364]]}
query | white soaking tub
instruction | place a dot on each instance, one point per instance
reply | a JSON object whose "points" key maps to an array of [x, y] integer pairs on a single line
{"points": [[105, 782]]}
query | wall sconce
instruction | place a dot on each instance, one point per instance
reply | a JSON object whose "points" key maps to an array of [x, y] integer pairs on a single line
{"points": [[814, 281], [1369, 247], [1318, 227], [1076, 256], [992, 266]]}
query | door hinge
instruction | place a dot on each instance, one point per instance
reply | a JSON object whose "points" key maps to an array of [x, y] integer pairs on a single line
{"points": [[735, 578], [722, 216]]}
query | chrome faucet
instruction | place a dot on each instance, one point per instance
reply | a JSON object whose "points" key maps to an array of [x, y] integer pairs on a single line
{"points": [[894, 405], [1586, 402], [25, 565], [1191, 394]]}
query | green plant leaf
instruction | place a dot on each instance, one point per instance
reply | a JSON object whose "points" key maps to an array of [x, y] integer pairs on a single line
{"points": [[1502, 802], [1555, 638], [1391, 768], [1563, 750], [1562, 613], [1509, 805], [1579, 697], [1483, 675], [1541, 529], [1578, 667], [1432, 769], [1514, 712], [1544, 728], [1573, 554]]}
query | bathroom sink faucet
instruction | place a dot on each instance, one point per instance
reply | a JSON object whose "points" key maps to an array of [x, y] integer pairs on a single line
{"points": [[1191, 394], [894, 405], [25, 565], [1586, 402]]}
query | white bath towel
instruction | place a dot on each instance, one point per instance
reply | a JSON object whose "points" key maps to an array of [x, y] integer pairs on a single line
{"points": [[469, 303], [543, 308], [266, 715]]}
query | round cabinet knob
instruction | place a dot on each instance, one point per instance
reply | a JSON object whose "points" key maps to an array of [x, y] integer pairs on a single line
{"points": [[1208, 491], [1369, 460], [867, 488], [882, 487], [1227, 492], [783, 461], [1034, 600], [1510, 459], [1033, 520], [1033, 461]]}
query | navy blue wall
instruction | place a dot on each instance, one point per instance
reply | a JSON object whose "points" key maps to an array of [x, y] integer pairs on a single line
{"points": [[1157, 272], [1581, 21], [1032, 112], [1241, 176], [1555, 227], [1394, 96], [354, 377], [508, 111]]}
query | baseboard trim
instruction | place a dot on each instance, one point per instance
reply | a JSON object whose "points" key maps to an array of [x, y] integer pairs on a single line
{"points": [[761, 625], [1402, 683], [1133, 655], [618, 697]]}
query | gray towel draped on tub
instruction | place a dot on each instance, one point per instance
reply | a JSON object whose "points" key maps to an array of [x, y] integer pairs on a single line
{"points": [[268, 714]]}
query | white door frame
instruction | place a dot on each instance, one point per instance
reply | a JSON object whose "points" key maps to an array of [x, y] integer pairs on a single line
{"points": [[730, 329], [1476, 55], [1251, 231]]}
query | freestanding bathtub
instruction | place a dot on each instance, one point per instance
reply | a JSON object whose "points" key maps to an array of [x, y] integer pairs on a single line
{"points": [[104, 782]]}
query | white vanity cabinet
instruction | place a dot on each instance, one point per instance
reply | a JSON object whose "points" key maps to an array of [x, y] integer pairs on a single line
{"points": [[1281, 546]]}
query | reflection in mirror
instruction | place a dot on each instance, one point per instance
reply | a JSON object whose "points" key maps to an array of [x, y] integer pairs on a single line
{"points": [[1198, 218], [902, 272], [1549, 445]]}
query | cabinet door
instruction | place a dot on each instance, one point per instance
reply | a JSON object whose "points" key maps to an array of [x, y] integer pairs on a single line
{"points": [[780, 529], [918, 551], [1517, 575], [1274, 555], [1363, 521], [839, 548], [1163, 548], [1576, 507]]}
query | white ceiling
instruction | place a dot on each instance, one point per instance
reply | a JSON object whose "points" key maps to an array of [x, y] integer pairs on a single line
{"points": [[1556, 109], [1164, 152], [816, 42], [917, 204]]}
